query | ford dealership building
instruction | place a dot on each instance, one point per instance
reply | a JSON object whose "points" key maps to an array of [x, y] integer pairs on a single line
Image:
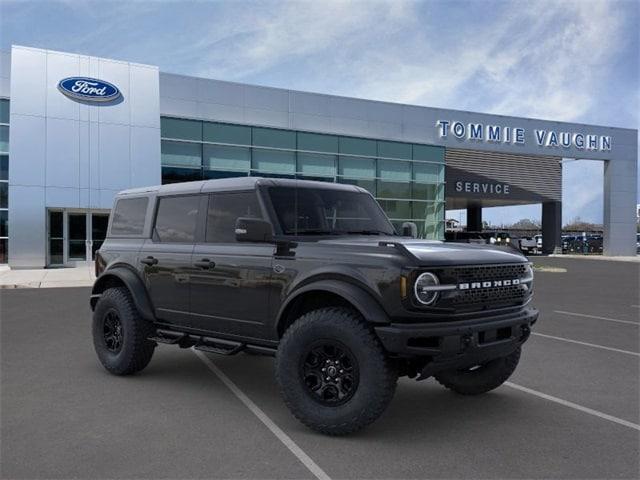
{"points": [[74, 130]]}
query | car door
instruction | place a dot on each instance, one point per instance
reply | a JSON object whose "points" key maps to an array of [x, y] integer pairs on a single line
{"points": [[230, 289], [166, 257]]}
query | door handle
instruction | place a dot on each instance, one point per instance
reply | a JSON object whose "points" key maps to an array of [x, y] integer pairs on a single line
{"points": [[205, 263], [149, 261]]}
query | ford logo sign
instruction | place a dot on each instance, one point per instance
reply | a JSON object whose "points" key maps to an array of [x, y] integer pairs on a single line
{"points": [[89, 89]]}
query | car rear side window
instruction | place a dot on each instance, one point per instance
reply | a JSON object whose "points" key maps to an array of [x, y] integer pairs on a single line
{"points": [[176, 219], [224, 210], [128, 216]]}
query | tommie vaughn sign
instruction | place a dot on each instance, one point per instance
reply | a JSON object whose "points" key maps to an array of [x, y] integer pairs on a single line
{"points": [[478, 132], [88, 89]]}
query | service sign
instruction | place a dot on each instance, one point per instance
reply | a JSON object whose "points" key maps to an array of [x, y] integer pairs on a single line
{"points": [[88, 89]]}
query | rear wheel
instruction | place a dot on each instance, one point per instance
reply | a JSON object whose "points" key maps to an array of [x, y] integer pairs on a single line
{"points": [[480, 378], [120, 333], [333, 373]]}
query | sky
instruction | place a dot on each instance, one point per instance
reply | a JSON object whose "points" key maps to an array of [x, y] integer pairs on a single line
{"points": [[558, 60]]}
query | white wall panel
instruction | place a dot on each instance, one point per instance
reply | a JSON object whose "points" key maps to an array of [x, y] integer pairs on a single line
{"points": [[266, 98], [59, 66], [115, 160], [27, 142], [118, 74], [27, 241], [62, 167], [144, 97], [223, 113], [28, 81], [145, 155], [223, 93], [62, 197]]}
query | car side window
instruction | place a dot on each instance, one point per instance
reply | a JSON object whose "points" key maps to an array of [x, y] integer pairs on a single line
{"points": [[176, 219], [128, 216], [224, 210]]}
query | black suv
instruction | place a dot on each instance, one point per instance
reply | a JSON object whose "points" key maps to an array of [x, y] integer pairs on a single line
{"points": [[314, 274]]}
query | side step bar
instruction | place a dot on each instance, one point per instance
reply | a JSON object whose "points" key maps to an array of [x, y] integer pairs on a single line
{"points": [[220, 346]]}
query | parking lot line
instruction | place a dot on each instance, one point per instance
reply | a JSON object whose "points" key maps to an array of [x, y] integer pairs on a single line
{"points": [[594, 345], [257, 411], [575, 406], [596, 317]]}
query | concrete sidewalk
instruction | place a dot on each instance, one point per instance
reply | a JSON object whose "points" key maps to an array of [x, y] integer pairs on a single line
{"points": [[48, 277]]}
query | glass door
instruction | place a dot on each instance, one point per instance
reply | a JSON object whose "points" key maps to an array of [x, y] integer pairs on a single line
{"points": [[77, 236], [56, 238]]}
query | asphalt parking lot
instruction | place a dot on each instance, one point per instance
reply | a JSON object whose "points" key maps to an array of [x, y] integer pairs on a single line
{"points": [[570, 411]]}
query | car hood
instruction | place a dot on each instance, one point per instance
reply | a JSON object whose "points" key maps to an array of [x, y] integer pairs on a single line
{"points": [[433, 252]]}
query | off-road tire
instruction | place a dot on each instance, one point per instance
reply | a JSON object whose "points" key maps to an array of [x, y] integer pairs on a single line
{"points": [[377, 377], [481, 380], [135, 351]]}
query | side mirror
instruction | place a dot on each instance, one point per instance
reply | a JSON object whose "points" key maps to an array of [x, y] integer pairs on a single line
{"points": [[253, 230], [409, 229]]}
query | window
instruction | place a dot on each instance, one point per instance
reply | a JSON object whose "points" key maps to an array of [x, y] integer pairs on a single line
{"points": [[224, 210], [4, 139], [220, 157], [357, 167], [394, 150], [427, 173], [224, 133], [128, 216], [358, 146], [176, 219], [4, 167], [182, 129], [396, 209], [4, 195], [174, 175], [271, 137], [317, 143], [318, 165], [274, 161], [313, 211], [181, 154], [427, 153], [4, 111], [4, 221]]}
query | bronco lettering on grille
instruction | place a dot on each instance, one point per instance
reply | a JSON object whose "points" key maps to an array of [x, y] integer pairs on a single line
{"points": [[488, 284]]}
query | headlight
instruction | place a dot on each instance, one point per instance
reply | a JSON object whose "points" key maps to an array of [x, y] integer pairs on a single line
{"points": [[492, 240], [425, 288]]}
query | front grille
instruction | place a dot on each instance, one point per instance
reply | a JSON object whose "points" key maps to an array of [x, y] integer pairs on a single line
{"points": [[489, 272], [486, 297]]}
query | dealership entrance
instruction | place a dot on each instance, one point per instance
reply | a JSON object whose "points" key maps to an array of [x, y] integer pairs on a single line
{"points": [[74, 236], [479, 179]]}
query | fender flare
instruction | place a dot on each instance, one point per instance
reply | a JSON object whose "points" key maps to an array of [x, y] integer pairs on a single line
{"points": [[133, 283], [357, 296]]}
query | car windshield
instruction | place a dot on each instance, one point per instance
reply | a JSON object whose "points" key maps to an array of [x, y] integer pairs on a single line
{"points": [[318, 211]]}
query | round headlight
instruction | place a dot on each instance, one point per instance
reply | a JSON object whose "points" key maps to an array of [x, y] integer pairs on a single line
{"points": [[492, 240], [423, 288]]}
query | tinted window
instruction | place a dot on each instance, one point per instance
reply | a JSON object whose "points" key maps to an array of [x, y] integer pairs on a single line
{"points": [[225, 209], [315, 211], [128, 216], [176, 219]]}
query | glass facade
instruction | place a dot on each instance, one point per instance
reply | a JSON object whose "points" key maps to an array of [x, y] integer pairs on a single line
{"points": [[407, 179], [4, 181]]}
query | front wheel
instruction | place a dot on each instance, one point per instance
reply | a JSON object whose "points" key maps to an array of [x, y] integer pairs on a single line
{"points": [[480, 378], [333, 373]]}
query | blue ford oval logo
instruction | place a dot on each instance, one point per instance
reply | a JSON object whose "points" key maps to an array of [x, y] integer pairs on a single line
{"points": [[89, 89]]}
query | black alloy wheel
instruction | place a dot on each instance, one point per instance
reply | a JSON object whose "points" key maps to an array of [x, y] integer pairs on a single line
{"points": [[330, 373], [112, 331]]}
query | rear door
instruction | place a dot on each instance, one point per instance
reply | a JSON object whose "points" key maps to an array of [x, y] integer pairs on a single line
{"points": [[166, 257], [230, 289]]}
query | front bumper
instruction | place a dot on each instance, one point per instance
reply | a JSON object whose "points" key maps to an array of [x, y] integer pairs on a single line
{"points": [[449, 345]]}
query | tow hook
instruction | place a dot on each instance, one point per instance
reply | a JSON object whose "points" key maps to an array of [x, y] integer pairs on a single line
{"points": [[526, 331]]}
